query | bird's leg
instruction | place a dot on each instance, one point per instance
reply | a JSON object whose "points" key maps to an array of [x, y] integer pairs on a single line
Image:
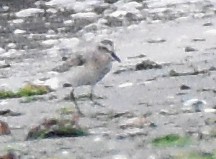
{"points": [[73, 99], [91, 96]]}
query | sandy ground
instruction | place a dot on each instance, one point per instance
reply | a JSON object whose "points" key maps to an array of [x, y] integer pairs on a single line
{"points": [[152, 93]]}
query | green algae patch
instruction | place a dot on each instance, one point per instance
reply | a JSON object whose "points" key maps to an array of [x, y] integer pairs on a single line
{"points": [[7, 94], [26, 91], [171, 140], [53, 128], [30, 90]]}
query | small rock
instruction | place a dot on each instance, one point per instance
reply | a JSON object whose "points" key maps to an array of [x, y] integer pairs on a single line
{"points": [[198, 39], [131, 132], [147, 64], [124, 14], [50, 42], [210, 121], [111, 1], [2, 50], [189, 49], [184, 87], [8, 112], [4, 64], [51, 10], [127, 84], [18, 21], [131, 17], [19, 31], [173, 73], [194, 105], [114, 21], [208, 24], [101, 8], [29, 12], [205, 134], [168, 112], [159, 40], [83, 19], [88, 15], [137, 57], [4, 128], [125, 114], [135, 122], [123, 70], [11, 45]]}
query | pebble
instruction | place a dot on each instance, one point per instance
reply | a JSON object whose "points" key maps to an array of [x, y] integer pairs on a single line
{"points": [[208, 24], [147, 64], [158, 40], [190, 49], [50, 42], [127, 84], [18, 21], [2, 50], [19, 31], [29, 12], [184, 87], [194, 105], [11, 45], [134, 122]]}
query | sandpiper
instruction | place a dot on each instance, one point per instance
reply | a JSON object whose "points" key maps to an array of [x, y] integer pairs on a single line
{"points": [[88, 69]]}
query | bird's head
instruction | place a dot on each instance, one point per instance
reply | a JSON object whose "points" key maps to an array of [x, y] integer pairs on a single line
{"points": [[107, 46]]}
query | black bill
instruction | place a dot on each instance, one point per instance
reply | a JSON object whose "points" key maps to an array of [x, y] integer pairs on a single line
{"points": [[115, 57]]}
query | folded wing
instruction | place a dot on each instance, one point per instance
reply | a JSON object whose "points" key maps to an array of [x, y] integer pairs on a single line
{"points": [[76, 60]]}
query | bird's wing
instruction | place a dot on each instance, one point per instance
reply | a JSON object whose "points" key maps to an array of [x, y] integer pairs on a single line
{"points": [[77, 60]]}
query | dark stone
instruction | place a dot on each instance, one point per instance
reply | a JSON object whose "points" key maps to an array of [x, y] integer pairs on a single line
{"points": [[138, 56], [189, 49], [198, 39], [67, 85], [173, 73], [8, 112], [147, 64], [110, 1], [123, 70], [132, 17], [64, 58], [208, 24], [114, 22], [156, 41], [101, 8], [184, 87], [5, 66]]}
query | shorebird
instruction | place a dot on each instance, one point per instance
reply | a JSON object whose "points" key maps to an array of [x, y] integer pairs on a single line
{"points": [[88, 69]]}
